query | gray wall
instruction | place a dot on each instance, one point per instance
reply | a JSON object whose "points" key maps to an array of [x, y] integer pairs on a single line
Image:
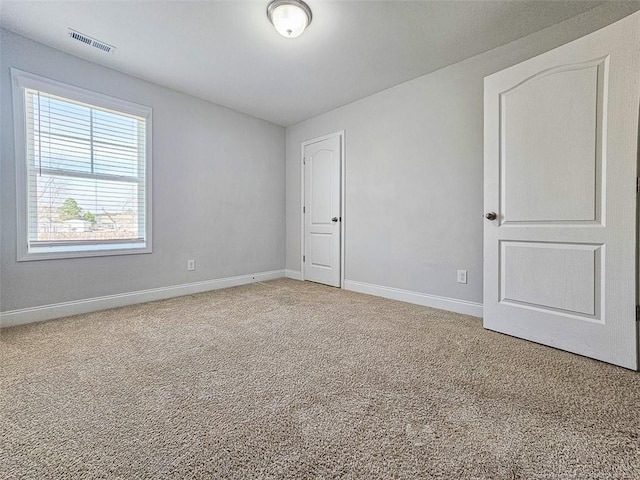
{"points": [[218, 190], [414, 169]]}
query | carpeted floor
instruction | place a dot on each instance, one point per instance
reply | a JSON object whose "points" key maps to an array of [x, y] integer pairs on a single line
{"points": [[288, 379]]}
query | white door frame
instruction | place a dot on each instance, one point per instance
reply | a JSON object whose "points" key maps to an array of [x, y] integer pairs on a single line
{"points": [[341, 134]]}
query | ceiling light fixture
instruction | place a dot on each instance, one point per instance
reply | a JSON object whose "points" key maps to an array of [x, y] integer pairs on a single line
{"points": [[289, 17]]}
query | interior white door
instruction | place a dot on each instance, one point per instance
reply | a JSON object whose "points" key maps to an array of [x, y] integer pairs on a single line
{"points": [[561, 138], [322, 165]]}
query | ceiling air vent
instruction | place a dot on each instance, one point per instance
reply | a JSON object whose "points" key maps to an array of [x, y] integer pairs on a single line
{"points": [[87, 40]]}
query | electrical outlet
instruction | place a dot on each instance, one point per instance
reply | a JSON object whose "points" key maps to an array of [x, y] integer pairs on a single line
{"points": [[191, 265], [462, 276]]}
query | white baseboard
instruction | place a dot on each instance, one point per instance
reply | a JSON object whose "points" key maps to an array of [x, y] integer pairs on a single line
{"points": [[434, 301], [294, 274], [57, 310]]}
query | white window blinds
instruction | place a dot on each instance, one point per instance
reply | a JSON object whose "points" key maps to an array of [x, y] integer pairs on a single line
{"points": [[86, 176]]}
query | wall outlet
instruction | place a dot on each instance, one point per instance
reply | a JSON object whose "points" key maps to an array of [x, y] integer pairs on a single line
{"points": [[462, 276], [191, 265]]}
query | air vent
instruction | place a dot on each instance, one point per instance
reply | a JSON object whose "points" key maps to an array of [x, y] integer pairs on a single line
{"points": [[81, 37]]}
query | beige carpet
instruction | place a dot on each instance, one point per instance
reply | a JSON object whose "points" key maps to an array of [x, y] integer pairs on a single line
{"points": [[286, 379]]}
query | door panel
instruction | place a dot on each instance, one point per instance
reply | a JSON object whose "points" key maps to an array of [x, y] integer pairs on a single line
{"points": [[550, 130], [321, 250], [321, 176], [559, 277], [561, 136], [322, 165]]}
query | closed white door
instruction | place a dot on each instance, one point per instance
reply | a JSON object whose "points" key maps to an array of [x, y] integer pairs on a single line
{"points": [[322, 207], [561, 138]]}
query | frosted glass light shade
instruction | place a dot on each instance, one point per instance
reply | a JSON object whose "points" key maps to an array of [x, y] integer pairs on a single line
{"points": [[289, 17]]}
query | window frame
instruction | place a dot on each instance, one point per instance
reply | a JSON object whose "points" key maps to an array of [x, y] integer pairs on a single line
{"points": [[20, 81]]}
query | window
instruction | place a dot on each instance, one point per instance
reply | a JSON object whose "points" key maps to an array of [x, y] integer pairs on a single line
{"points": [[83, 171]]}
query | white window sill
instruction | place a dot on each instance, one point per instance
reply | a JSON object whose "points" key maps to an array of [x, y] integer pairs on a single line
{"points": [[80, 251]]}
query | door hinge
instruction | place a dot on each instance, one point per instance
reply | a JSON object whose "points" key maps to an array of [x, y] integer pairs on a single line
{"points": [[304, 258], [637, 313], [638, 185], [304, 161], [304, 209]]}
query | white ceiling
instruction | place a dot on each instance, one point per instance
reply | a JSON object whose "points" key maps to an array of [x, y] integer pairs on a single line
{"points": [[227, 52]]}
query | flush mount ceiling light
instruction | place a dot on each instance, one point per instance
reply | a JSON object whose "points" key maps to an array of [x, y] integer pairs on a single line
{"points": [[290, 17]]}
